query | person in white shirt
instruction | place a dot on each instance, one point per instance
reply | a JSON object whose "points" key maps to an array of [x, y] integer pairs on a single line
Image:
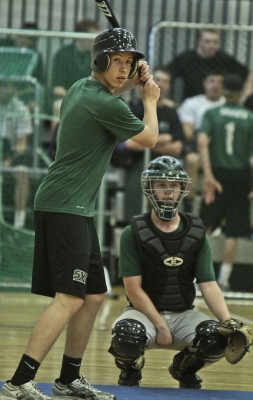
{"points": [[191, 112], [16, 130]]}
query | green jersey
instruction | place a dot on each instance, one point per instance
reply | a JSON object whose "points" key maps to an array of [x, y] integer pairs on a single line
{"points": [[130, 261], [91, 122], [230, 129]]}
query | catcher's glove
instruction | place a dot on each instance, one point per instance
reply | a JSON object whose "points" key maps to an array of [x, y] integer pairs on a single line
{"points": [[239, 336]]}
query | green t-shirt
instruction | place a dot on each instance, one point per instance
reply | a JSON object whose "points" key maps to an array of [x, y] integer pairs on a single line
{"points": [[230, 128], [91, 122], [130, 260]]}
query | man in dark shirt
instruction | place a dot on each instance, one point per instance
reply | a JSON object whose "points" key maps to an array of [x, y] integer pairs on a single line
{"points": [[71, 62], [193, 65]]}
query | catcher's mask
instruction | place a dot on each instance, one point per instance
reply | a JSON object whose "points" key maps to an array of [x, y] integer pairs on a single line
{"points": [[169, 169], [112, 41]]}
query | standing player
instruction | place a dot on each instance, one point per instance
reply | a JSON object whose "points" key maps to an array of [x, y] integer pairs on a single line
{"points": [[67, 259], [161, 253], [191, 112], [226, 145]]}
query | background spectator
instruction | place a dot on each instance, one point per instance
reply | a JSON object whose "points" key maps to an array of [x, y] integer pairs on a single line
{"points": [[15, 133], [170, 141], [27, 90], [28, 42], [71, 63], [194, 65], [226, 144], [190, 113]]}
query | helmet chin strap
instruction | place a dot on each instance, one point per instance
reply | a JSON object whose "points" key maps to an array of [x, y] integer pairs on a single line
{"points": [[166, 213], [133, 69]]}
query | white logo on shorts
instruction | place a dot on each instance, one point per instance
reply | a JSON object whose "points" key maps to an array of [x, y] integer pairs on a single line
{"points": [[80, 276]]}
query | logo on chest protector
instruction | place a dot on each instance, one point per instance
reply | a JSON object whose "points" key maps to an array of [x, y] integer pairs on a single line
{"points": [[173, 261]]}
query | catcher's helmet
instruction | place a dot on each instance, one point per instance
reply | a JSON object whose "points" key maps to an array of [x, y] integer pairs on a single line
{"points": [[111, 41], [169, 169]]}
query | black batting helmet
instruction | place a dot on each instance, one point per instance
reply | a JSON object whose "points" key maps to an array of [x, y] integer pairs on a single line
{"points": [[112, 41]]}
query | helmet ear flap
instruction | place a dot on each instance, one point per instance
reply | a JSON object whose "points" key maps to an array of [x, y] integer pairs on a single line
{"points": [[133, 69], [101, 62]]}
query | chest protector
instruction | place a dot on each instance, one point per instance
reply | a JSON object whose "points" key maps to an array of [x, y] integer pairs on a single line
{"points": [[168, 261]]}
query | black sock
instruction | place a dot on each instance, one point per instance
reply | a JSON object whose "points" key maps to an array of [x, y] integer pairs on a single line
{"points": [[26, 371], [70, 369]]}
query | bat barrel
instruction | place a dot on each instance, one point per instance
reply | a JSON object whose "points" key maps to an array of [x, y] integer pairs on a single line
{"points": [[105, 8]]}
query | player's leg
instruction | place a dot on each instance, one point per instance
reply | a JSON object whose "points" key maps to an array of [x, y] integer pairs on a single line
{"points": [[212, 214], [228, 258], [22, 183], [49, 246], [237, 215], [21, 196], [128, 343], [206, 347], [132, 333], [44, 334], [71, 382], [51, 323], [80, 326]]}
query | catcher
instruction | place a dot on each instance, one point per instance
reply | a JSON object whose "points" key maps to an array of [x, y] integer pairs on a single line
{"points": [[162, 252]]}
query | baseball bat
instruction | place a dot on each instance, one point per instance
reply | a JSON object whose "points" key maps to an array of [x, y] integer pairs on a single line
{"points": [[105, 8]]}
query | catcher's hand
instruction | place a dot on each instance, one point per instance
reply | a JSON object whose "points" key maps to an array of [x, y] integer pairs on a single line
{"points": [[240, 337]]}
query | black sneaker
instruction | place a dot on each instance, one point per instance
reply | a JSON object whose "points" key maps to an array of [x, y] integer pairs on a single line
{"points": [[186, 380], [130, 377]]}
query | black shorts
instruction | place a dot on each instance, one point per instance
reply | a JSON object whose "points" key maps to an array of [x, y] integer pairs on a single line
{"points": [[67, 256], [231, 208]]}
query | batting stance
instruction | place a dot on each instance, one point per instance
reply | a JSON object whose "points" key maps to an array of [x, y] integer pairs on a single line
{"points": [[161, 254], [67, 260]]}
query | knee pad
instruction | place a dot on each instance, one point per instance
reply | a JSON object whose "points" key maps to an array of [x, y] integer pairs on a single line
{"points": [[208, 342], [206, 348], [128, 340], [136, 364]]}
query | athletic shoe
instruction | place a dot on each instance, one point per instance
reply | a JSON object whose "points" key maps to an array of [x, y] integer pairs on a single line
{"points": [[80, 389], [99, 393], [27, 391], [186, 380], [130, 377]]}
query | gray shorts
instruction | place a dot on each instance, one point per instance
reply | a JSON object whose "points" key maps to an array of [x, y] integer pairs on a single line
{"points": [[182, 326]]}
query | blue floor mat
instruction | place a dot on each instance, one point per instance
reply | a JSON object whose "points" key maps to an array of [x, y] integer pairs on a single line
{"points": [[147, 393]]}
